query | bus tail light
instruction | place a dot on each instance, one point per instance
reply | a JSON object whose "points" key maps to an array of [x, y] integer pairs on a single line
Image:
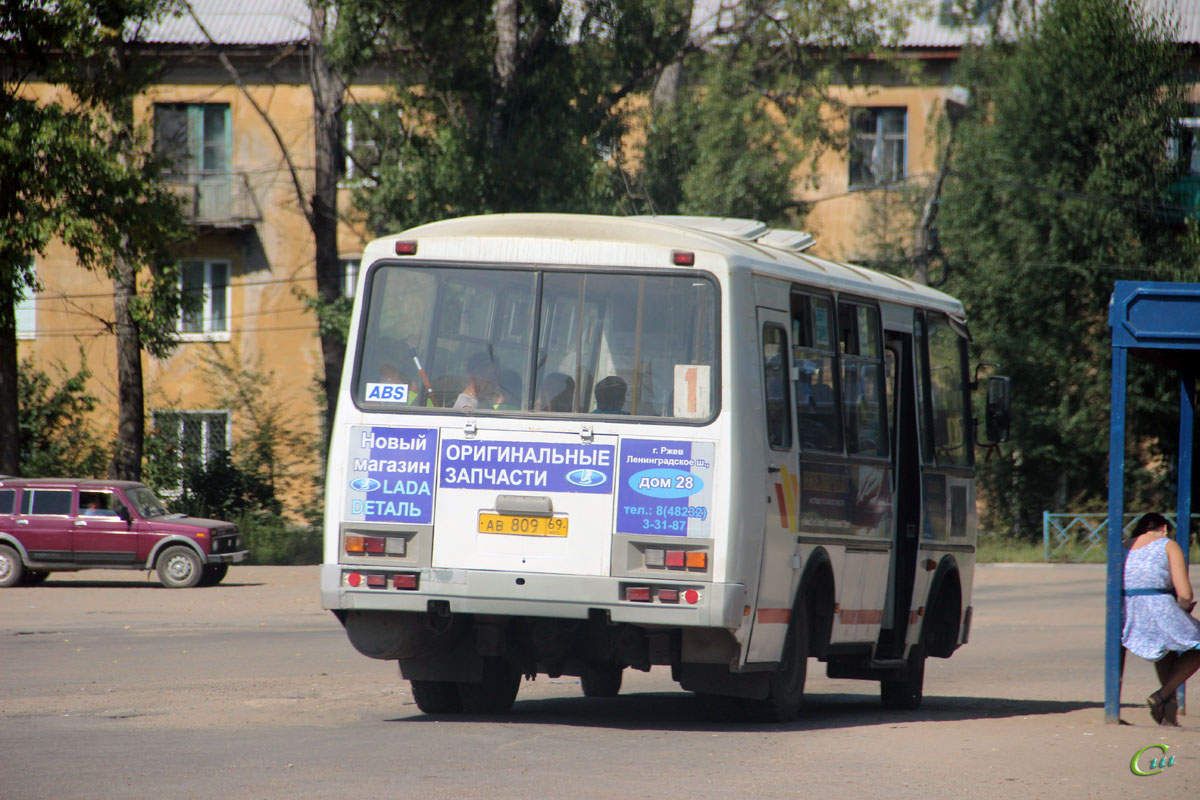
{"points": [[661, 558], [365, 544], [406, 248], [377, 581], [405, 580], [637, 594], [668, 595]]}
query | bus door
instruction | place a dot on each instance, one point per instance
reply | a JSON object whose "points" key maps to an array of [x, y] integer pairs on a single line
{"points": [[776, 576], [906, 461]]}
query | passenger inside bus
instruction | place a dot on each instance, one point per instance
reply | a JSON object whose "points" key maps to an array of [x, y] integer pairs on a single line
{"points": [[610, 395], [480, 390], [508, 391], [557, 393]]}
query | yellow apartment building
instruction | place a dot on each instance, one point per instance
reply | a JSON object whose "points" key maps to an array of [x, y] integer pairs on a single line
{"points": [[253, 254]]}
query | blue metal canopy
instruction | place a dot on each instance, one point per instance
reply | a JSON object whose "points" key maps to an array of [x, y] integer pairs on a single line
{"points": [[1159, 322]]}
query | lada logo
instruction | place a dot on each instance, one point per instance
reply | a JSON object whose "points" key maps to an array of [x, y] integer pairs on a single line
{"points": [[364, 484], [586, 477]]}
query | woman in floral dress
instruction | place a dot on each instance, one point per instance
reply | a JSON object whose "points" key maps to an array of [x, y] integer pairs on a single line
{"points": [[1158, 624]]}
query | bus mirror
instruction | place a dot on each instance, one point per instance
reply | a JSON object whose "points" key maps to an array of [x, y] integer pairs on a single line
{"points": [[998, 412]]}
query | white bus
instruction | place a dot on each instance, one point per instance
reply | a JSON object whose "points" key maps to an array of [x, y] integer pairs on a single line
{"points": [[572, 445]]}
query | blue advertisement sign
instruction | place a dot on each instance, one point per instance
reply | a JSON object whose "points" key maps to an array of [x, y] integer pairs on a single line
{"points": [[390, 474], [523, 466], [665, 487]]}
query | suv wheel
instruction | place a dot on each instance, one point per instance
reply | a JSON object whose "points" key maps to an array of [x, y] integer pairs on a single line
{"points": [[10, 567], [179, 568]]}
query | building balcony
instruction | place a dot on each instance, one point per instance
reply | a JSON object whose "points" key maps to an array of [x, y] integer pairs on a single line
{"points": [[216, 199]]}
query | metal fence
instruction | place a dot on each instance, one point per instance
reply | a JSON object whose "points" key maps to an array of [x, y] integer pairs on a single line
{"points": [[1075, 538]]}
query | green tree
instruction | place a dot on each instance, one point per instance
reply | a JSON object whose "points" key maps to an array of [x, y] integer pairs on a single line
{"points": [[80, 169], [525, 106], [1055, 192], [57, 432]]}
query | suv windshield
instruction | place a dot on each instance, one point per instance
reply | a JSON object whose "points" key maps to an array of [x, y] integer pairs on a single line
{"points": [[145, 502], [525, 341]]}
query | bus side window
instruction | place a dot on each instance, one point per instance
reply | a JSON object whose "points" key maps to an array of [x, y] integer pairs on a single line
{"points": [[818, 419], [862, 380], [775, 384]]}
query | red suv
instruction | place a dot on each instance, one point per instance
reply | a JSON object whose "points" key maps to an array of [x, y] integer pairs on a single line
{"points": [[49, 524]]}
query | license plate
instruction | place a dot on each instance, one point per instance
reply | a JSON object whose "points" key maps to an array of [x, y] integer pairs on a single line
{"points": [[522, 525]]}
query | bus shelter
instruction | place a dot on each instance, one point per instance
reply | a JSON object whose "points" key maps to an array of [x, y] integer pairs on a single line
{"points": [[1159, 322]]}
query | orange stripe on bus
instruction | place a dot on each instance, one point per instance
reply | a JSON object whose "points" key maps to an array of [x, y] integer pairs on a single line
{"points": [[783, 511], [860, 616], [774, 615]]}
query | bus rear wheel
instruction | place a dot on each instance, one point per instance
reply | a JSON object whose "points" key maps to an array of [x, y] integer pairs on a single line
{"points": [[495, 693], [436, 697], [786, 692], [601, 682]]}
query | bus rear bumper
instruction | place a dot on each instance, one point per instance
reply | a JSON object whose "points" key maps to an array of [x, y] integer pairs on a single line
{"points": [[717, 605]]}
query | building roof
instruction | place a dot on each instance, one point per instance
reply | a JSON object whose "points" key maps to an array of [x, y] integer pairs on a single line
{"points": [[933, 28], [272, 22], [235, 23]]}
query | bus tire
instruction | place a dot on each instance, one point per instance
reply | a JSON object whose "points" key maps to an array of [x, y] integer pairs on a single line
{"points": [[786, 692], [436, 697], [904, 694], [495, 693], [601, 682]]}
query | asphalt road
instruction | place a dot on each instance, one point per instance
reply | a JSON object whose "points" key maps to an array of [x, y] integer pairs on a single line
{"points": [[111, 687]]}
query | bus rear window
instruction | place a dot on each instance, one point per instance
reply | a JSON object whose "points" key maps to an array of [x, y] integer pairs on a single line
{"points": [[538, 342]]}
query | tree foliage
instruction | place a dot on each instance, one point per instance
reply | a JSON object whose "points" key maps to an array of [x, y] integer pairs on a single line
{"points": [[75, 166], [538, 105], [1055, 192], [57, 431]]}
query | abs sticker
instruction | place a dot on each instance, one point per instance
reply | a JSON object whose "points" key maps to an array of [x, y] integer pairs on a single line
{"points": [[387, 393], [665, 487]]}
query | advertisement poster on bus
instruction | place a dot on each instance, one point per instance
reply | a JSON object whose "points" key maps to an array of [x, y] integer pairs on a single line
{"points": [[518, 467], [389, 472], [665, 487]]}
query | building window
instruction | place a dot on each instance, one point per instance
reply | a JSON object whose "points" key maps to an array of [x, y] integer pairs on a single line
{"points": [[192, 438], [363, 132], [194, 137], [349, 275], [877, 146], [26, 309], [207, 284], [1184, 146], [197, 141]]}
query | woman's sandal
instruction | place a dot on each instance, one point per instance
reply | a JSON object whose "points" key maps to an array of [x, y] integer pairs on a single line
{"points": [[1158, 708], [1171, 713]]}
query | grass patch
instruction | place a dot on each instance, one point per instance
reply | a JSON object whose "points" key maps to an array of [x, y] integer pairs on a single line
{"points": [[271, 539], [992, 549]]}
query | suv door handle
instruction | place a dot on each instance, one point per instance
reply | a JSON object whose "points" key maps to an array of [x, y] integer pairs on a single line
{"points": [[22, 522], [81, 523]]}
